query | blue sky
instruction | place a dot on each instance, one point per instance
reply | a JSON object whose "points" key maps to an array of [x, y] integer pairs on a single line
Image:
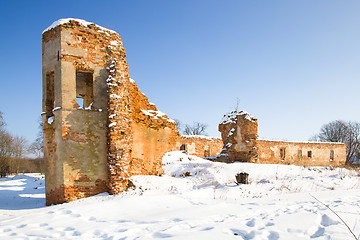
{"points": [[293, 64]]}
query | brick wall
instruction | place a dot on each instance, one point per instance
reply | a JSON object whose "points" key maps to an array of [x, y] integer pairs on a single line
{"points": [[117, 133], [301, 153], [241, 143], [201, 146]]}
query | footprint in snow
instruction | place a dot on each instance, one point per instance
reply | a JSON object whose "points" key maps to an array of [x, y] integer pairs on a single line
{"points": [[251, 223], [177, 220], [77, 234], [69, 229], [319, 232], [273, 235], [327, 221], [207, 229], [67, 212], [161, 235], [269, 224], [21, 226]]}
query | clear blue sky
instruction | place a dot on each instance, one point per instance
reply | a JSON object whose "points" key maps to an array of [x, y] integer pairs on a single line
{"points": [[293, 64]]}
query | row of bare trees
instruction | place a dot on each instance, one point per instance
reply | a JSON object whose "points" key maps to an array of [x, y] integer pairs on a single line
{"points": [[12, 150], [344, 132], [194, 129]]}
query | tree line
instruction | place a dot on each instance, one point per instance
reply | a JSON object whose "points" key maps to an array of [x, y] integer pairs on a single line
{"points": [[13, 150]]}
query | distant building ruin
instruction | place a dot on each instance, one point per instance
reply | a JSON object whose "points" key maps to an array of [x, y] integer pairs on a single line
{"points": [[239, 132], [99, 129]]}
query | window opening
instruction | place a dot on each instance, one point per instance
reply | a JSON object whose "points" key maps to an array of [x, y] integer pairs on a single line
{"points": [[50, 94], [332, 155], [84, 89], [207, 151], [300, 153], [183, 147], [309, 154], [282, 154]]}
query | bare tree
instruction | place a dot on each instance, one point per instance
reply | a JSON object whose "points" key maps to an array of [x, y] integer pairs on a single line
{"points": [[344, 132], [195, 129], [37, 146], [178, 125], [12, 149], [18, 149], [5, 153]]}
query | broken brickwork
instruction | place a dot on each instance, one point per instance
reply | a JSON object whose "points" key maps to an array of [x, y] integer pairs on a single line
{"points": [[200, 146], [239, 134], [99, 129], [241, 143]]}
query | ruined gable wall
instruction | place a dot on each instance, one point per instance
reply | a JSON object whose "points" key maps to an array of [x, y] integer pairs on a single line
{"points": [[296, 153], [200, 146], [154, 134]]}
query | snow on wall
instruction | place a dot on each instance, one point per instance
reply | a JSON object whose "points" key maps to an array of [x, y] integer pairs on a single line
{"points": [[231, 117], [81, 21]]}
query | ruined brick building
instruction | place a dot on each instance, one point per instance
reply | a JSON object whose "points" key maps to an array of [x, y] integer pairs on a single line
{"points": [[239, 132], [99, 129]]}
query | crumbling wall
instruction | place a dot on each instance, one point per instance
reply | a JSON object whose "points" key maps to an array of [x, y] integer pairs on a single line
{"points": [[301, 153], [99, 129], [239, 134], [154, 134], [200, 146]]}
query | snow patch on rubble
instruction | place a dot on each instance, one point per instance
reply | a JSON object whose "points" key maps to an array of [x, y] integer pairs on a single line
{"points": [[157, 114], [231, 117], [231, 132], [81, 21], [112, 124], [50, 120]]}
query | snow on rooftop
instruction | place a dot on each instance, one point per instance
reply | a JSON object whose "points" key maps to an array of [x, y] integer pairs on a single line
{"points": [[81, 21], [231, 117]]}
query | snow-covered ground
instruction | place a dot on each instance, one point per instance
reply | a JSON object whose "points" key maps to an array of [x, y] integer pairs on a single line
{"points": [[195, 199]]}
